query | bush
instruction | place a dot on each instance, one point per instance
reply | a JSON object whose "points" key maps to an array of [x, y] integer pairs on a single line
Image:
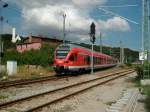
{"points": [[146, 91], [42, 57], [129, 64], [140, 69], [147, 101]]}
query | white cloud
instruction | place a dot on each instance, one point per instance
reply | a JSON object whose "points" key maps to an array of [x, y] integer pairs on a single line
{"points": [[114, 24], [44, 17], [88, 3]]}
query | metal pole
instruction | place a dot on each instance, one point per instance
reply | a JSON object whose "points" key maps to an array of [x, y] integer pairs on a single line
{"points": [[64, 32], [122, 55], [92, 63], [142, 28], [120, 52], [101, 49], [0, 33], [148, 33], [110, 50], [1, 27], [148, 54]]}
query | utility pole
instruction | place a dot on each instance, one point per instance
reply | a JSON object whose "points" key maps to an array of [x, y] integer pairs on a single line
{"points": [[110, 50], [148, 33], [4, 5], [64, 30], [145, 36], [121, 53], [100, 42]]}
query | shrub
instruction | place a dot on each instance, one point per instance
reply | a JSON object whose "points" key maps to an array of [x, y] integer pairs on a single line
{"points": [[129, 64], [42, 57], [147, 100], [142, 69]]}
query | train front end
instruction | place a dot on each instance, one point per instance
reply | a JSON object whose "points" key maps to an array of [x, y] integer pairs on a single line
{"points": [[60, 58]]}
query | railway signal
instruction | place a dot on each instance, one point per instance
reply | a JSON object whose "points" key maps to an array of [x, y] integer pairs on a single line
{"points": [[92, 39], [92, 32], [3, 5]]}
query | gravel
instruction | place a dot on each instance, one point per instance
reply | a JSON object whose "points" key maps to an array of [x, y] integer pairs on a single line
{"points": [[13, 93], [96, 99]]}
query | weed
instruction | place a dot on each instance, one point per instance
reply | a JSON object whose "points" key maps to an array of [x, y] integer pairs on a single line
{"points": [[3, 97], [109, 103]]}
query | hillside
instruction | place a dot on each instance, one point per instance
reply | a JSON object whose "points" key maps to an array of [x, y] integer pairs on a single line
{"points": [[130, 55]]}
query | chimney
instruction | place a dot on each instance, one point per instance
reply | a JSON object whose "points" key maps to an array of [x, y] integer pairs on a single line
{"points": [[30, 38]]}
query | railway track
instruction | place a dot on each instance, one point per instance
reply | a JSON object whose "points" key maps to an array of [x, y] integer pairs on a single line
{"points": [[7, 84], [41, 100]]}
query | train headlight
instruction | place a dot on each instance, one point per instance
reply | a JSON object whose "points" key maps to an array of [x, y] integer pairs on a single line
{"points": [[66, 61]]}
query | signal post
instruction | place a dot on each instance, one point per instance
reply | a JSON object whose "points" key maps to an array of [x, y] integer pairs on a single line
{"points": [[92, 39]]}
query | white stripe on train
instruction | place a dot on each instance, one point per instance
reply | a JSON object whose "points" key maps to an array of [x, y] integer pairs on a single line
{"points": [[86, 67]]}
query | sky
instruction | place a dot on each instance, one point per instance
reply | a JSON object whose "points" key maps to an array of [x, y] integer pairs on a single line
{"points": [[45, 18]]}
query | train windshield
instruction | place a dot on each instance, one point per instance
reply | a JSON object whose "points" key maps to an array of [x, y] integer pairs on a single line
{"points": [[62, 51], [61, 54]]}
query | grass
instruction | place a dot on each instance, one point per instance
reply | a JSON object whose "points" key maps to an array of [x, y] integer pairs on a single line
{"points": [[32, 72], [26, 72], [146, 91], [3, 96], [3, 75]]}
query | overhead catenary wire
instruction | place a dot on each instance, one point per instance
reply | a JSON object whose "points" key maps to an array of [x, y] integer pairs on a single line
{"points": [[14, 9], [119, 6], [115, 14]]}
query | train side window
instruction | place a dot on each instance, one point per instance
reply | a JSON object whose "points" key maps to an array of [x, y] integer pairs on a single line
{"points": [[88, 59], [73, 57]]}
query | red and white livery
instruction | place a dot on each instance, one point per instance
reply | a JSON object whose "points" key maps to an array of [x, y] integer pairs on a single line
{"points": [[71, 58]]}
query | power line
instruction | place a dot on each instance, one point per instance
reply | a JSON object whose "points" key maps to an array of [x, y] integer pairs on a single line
{"points": [[115, 14], [119, 6], [17, 10]]}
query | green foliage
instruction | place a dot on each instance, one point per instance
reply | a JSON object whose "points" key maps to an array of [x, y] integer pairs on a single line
{"points": [[146, 91], [129, 64], [130, 55], [139, 70], [147, 101], [6, 38], [142, 69], [42, 57]]}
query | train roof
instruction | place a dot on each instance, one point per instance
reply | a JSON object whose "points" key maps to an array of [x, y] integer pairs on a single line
{"points": [[70, 46]]}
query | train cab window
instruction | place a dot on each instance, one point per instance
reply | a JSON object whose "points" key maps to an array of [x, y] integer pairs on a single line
{"points": [[61, 54], [73, 57]]}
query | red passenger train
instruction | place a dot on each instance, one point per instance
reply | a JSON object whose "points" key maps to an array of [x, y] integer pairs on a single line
{"points": [[70, 58]]}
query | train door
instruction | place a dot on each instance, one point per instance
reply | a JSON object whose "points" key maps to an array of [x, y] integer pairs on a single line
{"points": [[87, 59], [73, 58], [80, 59]]}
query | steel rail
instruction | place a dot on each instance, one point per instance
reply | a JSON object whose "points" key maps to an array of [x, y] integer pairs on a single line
{"points": [[7, 84], [58, 89], [75, 93], [29, 81]]}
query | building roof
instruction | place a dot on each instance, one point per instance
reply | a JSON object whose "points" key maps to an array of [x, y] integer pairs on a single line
{"points": [[26, 43], [45, 38]]}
